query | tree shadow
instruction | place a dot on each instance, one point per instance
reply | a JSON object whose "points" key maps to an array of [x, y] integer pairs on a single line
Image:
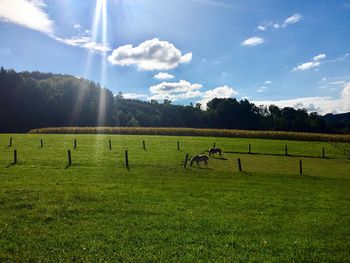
{"points": [[11, 164], [245, 173], [201, 167]]}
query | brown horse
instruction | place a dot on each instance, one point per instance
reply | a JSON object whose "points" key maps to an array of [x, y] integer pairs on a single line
{"points": [[199, 158], [214, 150]]}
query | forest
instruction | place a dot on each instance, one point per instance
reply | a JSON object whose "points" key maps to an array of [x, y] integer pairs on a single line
{"points": [[30, 100]]}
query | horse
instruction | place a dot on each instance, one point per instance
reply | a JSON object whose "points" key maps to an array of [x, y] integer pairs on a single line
{"points": [[199, 158], [214, 150]]}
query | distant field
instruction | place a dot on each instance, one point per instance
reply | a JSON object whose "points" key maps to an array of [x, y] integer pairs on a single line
{"points": [[197, 132], [97, 210]]}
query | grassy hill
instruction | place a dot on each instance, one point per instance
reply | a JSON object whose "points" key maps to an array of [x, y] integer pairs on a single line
{"points": [[97, 210]]}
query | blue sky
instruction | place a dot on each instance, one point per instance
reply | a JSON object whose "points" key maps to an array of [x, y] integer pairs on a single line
{"points": [[289, 53]]}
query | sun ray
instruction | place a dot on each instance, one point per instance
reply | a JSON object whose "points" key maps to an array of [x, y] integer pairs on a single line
{"points": [[102, 100]]}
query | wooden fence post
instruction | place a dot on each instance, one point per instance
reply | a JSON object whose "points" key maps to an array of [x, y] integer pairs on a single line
{"points": [[239, 165], [10, 143], [69, 158], [178, 145], [286, 149], [186, 160], [110, 144], [323, 154], [75, 144], [250, 149], [144, 145], [41, 143], [301, 167], [214, 145], [126, 159]]}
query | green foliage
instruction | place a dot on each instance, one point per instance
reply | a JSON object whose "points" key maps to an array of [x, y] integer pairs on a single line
{"points": [[133, 123], [31, 100], [96, 210]]}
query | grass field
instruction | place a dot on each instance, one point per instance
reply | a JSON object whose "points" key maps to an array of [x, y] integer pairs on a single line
{"points": [[97, 210]]}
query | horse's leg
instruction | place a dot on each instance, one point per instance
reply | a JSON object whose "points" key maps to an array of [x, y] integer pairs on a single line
{"points": [[197, 162]]}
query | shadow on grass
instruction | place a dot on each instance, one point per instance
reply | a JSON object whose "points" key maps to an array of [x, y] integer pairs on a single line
{"points": [[201, 167], [11, 164], [219, 158], [245, 173], [288, 155]]}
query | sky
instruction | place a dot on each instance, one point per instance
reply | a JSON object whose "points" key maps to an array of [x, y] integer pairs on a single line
{"points": [[293, 53]]}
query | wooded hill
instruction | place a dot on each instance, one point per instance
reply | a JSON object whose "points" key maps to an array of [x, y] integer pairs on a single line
{"points": [[31, 100]]}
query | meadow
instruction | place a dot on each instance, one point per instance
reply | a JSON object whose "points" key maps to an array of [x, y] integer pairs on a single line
{"points": [[97, 210]]}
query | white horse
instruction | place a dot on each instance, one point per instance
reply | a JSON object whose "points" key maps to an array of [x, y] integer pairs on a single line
{"points": [[199, 158]]}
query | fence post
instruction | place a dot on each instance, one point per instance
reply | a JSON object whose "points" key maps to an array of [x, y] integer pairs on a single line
{"points": [[41, 143], [10, 143], [214, 145], [75, 144], [186, 160], [178, 145], [323, 154], [239, 165], [15, 156], [144, 145], [126, 159], [69, 158], [301, 167], [286, 149], [250, 149]]}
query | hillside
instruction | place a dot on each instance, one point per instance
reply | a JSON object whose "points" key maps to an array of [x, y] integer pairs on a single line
{"points": [[30, 100]]}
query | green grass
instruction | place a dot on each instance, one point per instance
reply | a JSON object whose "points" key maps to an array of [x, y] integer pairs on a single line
{"points": [[96, 210]]}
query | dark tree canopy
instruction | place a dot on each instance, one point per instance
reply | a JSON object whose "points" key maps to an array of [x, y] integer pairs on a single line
{"points": [[34, 100]]}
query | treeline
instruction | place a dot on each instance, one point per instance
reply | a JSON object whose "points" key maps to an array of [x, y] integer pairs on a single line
{"points": [[30, 100]]}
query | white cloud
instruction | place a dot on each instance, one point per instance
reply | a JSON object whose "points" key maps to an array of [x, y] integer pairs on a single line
{"points": [[319, 57], [306, 66], [268, 82], [134, 96], [163, 75], [292, 20], [253, 41], [84, 42], [277, 25], [261, 89], [150, 55], [339, 82], [311, 64], [31, 14], [185, 90], [262, 28], [77, 26], [219, 92], [322, 105], [170, 88], [27, 13]]}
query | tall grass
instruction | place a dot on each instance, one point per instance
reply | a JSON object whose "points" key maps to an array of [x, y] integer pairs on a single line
{"points": [[280, 135]]}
